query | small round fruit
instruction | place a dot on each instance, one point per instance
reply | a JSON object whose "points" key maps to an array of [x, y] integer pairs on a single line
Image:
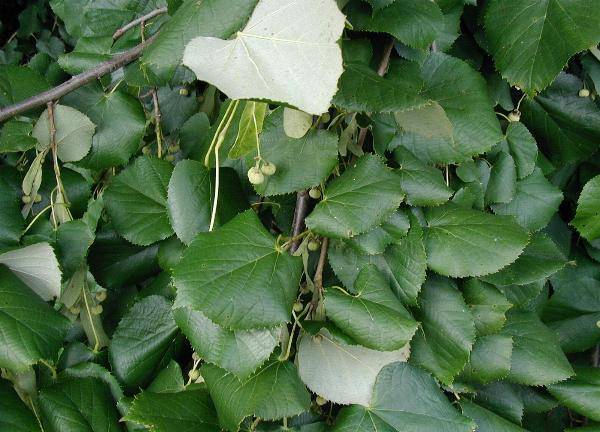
{"points": [[268, 168], [169, 158], [584, 93], [38, 198], [26, 199], [298, 306], [75, 310], [195, 356], [313, 245], [194, 374], [514, 116], [314, 193], [255, 176], [321, 400], [183, 91], [146, 150], [326, 117], [174, 148], [101, 296], [97, 310]]}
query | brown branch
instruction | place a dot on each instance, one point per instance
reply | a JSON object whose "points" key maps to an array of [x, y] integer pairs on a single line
{"points": [[157, 120], [141, 20], [302, 200], [75, 82], [318, 279]]}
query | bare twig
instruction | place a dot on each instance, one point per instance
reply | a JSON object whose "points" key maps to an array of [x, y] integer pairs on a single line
{"points": [[318, 279], [75, 82], [157, 120], [302, 200], [141, 20]]}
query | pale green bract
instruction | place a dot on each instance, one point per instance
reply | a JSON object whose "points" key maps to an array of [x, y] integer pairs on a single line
{"points": [[287, 52]]}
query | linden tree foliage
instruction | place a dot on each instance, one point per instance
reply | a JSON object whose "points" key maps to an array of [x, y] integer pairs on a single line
{"points": [[316, 215]]}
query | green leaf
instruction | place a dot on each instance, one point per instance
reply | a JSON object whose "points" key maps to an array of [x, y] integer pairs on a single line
{"points": [[581, 393], [79, 404], [413, 22], [14, 414], [537, 358], [296, 123], [36, 265], [10, 208], [423, 184], [301, 66], [362, 89], [274, 392], [341, 373], [540, 260], [566, 124], [403, 263], [462, 93], [361, 198], [238, 351], [301, 163], [120, 124], [587, 218], [487, 304], [185, 411], [502, 185], [373, 317], [73, 136], [377, 240], [168, 380], [141, 340], [523, 148], [15, 136], [250, 127], [246, 281], [136, 201], [447, 330], [32, 330], [486, 420], [429, 121], [532, 41], [490, 359], [458, 241], [189, 200], [535, 202], [193, 19], [427, 409], [18, 83]]}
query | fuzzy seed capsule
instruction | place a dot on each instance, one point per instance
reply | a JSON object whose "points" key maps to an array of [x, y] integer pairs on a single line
{"points": [[26, 199], [313, 245], [101, 296], [314, 193], [169, 158], [514, 116], [97, 310], [321, 400], [255, 176], [38, 198], [194, 374], [298, 307], [268, 169], [584, 93], [184, 92], [146, 150]]}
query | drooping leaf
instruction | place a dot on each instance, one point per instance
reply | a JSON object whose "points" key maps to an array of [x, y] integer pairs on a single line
{"points": [[535, 202], [274, 392], [361, 198], [587, 218], [487, 304], [14, 414], [31, 330], [444, 342], [427, 409], [189, 199], [246, 281], [536, 358], [503, 398], [523, 148], [82, 404], [141, 340], [15, 136], [238, 351], [136, 201], [413, 22], [373, 317], [301, 162], [342, 373], [73, 136], [531, 41], [486, 420], [36, 265], [502, 185], [184, 411], [490, 359], [461, 242], [581, 393], [299, 66], [377, 240], [423, 184], [540, 260]]}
